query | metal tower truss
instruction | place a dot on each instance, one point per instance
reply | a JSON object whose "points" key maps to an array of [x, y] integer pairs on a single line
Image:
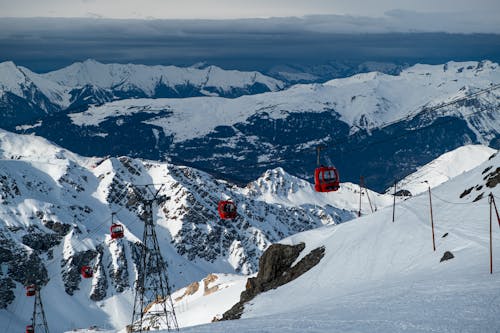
{"points": [[39, 321], [153, 305]]}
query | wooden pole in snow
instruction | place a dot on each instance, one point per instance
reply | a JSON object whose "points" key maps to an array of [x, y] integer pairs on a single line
{"points": [[394, 202], [432, 218], [496, 210], [491, 238], [360, 193]]}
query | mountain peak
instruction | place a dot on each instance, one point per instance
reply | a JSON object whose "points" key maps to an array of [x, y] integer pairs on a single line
{"points": [[7, 64]]}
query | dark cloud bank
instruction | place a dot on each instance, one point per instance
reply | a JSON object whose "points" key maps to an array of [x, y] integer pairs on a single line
{"points": [[44, 44]]}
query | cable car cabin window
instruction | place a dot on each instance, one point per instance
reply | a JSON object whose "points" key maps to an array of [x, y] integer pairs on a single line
{"points": [[229, 208], [30, 329], [329, 176]]}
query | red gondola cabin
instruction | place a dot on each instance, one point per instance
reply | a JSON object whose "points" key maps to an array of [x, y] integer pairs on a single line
{"points": [[227, 210], [326, 179], [30, 290], [87, 272], [116, 231], [30, 329]]}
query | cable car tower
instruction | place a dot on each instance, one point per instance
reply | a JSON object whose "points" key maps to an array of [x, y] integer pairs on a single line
{"points": [[153, 306], [38, 321]]}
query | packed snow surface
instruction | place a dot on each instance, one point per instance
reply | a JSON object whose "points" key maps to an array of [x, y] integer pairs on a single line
{"points": [[380, 276]]}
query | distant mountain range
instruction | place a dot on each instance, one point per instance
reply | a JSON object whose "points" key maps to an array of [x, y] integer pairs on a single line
{"points": [[27, 96], [378, 125]]}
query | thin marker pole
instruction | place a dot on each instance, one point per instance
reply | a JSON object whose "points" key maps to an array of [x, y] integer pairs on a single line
{"points": [[432, 220], [496, 210], [491, 238], [360, 193], [394, 203]]}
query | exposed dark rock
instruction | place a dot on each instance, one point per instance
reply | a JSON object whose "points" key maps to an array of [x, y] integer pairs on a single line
{"points": [[479, 197], [493, 178], [119, 275], [71, 269], [275, 270], [58, 227], [466, 192], [447, 256], [41, 242], [26, 268], [403, 193], [98, 292], [487, 169], [446, 234], [6, 292]]}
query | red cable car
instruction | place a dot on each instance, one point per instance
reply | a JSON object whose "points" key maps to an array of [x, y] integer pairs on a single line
{"points": [[116, 231], [227, 209], [30, 329], [87, 272], [30, 290], [326, 179]]}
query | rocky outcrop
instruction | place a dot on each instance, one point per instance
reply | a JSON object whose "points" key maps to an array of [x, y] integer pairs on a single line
{"points": [[207, 281], [119, 273], [275, 269], [447, 256], [99, 287], [22, 266], [71, 269], [6, 292]]}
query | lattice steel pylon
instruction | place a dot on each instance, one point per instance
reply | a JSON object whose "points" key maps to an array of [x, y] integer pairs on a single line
{"points": [[39, 321], [153, 305]]}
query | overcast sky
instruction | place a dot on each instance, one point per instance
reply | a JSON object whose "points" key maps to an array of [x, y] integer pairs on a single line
{"points": [[224, 9], [247, 34]]}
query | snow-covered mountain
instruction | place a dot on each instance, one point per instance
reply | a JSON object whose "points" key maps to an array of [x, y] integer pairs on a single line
{"points": [[56, 210], [378, 125], [27, 96], [363, 101], [147, 81], [379, 276], [443, 168]]}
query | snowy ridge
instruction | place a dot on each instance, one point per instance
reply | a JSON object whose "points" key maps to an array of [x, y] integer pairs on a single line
{"points": [[64, 87], [130, 76], [444, 168], [278, 187], [362, 101]]}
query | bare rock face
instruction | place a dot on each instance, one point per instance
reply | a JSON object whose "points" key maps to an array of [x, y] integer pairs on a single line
{"points": [[447, 256], [71, 269], [275, 269]]}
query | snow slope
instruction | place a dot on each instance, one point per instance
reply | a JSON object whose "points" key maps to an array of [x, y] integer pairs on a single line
{"points": [[379, 276], [362, 101], [444, 168]]}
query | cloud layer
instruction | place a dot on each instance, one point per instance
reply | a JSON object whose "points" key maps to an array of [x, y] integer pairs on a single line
{"points": [[44, 43]]}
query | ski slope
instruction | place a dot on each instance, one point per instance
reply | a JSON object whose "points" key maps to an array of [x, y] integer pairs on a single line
{"points": [[380, 276], [444, 168]]}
